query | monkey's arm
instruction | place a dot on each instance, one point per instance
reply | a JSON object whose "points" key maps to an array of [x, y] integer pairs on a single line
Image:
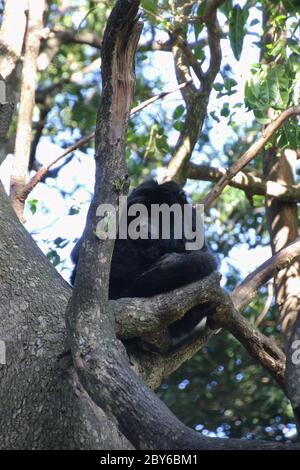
{"points": [[171, 271]]}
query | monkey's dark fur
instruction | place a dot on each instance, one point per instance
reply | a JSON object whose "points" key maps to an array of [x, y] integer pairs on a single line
{"points": [[143, 268]]}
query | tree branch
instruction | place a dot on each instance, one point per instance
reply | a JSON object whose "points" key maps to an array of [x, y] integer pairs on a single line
{"points": [[260, 347], [10, 52], [69, 36], [246, 181], [250, 154], [247, 290], [11, 44], [24, 125], [196, 100]]}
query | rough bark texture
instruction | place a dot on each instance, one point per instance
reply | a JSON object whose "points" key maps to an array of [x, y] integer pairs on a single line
{"points": [[282, 219], [27, 100], [10, 53], [42, 403]]}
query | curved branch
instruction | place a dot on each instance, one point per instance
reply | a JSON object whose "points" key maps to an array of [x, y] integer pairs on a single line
{"points": [[246, 181], [260, 347], [136, 317], [247, 290], [250, 154]]}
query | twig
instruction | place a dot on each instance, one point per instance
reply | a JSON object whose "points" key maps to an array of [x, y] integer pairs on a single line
{"points": [[250, 153]]}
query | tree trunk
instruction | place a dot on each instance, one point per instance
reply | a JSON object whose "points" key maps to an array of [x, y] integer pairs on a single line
{"points": [[43, 405]]}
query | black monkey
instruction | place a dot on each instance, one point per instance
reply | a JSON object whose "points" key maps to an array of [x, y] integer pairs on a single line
{"points": [[146, 267]]}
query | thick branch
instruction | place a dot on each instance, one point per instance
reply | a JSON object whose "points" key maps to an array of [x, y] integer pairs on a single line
{"points": [[260, 347], [247, 290], [250, 154], [10, 52], [11, 44], [214, 35], [196, 100], [247, 182], [142, 317], [136, 317], [24, 125], [69, 36]]}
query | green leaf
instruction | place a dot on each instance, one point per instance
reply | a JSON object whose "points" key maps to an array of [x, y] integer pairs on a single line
{"points": [[289, 135], [278, 85], [213, 116], [269, 88], [237, 21], [178, 125], [261, 116], [32, 204], [230, 83], [150, 5], [291, 6], [225, 110], [201, 8], [198, 26], [74, 210], [294, 45], [226, 8], [218, 86], [199, 53], [53, 257], [178, 112], [277, 48]]}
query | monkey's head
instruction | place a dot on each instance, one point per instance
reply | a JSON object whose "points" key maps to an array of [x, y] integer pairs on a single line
{"points": [[151, 192]]}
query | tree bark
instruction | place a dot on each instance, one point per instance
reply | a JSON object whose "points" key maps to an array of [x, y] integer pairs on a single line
{"points": [[10, 52], [282, 220], [27, 100]]}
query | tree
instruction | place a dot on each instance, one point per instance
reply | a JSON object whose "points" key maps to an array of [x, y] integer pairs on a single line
{"points": [[67, 379]]}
